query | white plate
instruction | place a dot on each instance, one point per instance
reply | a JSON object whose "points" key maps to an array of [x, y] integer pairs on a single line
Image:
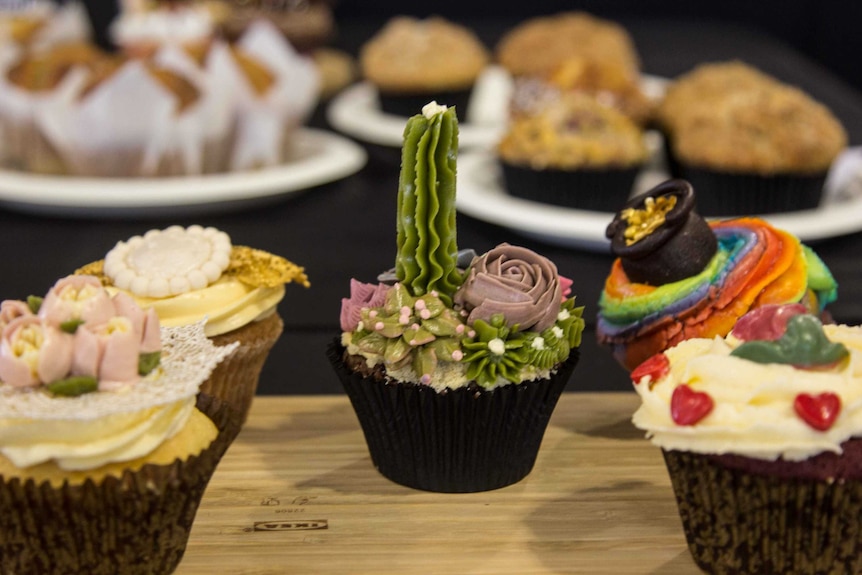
{"points": [[356, 111], [319, 157], [481, 194]]}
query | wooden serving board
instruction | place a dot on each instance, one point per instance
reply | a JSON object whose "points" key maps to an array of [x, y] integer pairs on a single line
{"points": [[297, 493]]}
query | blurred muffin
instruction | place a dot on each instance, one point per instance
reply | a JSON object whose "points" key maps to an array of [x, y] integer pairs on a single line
{"points": [[749, 143], [412, 62], [572, 151], [337, 69], [39, 24], [142, 28], [577, 51]]}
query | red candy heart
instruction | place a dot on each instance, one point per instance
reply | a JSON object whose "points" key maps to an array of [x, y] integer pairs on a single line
{"points": [[818, 411], [688, 406], [656, 367]]}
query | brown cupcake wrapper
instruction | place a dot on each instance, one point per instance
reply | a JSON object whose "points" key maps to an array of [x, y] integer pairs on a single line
{"points": [[599, 189], [138, 523], [235, 379], [459, 441], [742, 523]]}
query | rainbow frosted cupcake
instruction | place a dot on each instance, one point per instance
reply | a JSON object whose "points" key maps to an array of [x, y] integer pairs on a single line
{"points": [[671, 283], [760, 432]]}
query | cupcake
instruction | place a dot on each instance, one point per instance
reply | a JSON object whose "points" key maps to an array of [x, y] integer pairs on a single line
{"points": [[453, 362], [749, 143], [140, 31], [572, 151], [194, 274], [307, 24], [760, 433], [103, 445], [676, 277], [576, 51], [412, 61]]}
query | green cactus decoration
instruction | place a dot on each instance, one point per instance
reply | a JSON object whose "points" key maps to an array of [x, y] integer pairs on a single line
{"points": [[409, 330], [426, 238]]}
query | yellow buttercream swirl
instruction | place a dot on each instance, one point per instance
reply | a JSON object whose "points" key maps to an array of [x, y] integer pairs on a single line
{"points": [[87, 443], [753, 414], [249, 289]]}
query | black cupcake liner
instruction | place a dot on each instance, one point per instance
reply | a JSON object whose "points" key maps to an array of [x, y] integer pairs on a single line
{"points": [[601, 190], [739, 523], [408, 105], [137, 524], [721, 193], [458, 441]]}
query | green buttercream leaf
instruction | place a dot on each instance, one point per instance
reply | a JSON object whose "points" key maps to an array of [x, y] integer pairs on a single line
{"points": [[34, 302], [147, 362], [803, 344], [74, 386], [71, 326], [820, 279]]}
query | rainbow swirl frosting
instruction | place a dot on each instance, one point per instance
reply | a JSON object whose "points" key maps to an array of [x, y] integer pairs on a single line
{"points": [[755, 265]]}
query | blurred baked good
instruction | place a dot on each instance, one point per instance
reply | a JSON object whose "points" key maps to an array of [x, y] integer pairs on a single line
{"points": [[412, 61], [307, 24], [572, 151], [748, 142], [337, 68]]}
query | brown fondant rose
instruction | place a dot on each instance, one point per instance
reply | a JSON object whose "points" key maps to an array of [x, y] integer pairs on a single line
{"points": [[515, 282]]}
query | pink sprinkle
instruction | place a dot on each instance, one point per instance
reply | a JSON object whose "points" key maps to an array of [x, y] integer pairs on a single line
{"points": [[425, 314], [372, 314], [463, 313], [413, 342], [415, 327], [425, 379], [404, 319], [471, 333], [457, 355], [378, 326], [420, 304], [460, 329], [405, 310], [435, 293]]}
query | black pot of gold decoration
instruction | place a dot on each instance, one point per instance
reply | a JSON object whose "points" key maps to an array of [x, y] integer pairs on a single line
{"points": [[659, 237]]}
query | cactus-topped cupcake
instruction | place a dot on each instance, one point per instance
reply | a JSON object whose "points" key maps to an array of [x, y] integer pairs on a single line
{"points": [[677, 277], [464, 355]]}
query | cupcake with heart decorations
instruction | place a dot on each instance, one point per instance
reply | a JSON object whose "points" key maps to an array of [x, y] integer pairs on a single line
{"points": [[760, 431]]}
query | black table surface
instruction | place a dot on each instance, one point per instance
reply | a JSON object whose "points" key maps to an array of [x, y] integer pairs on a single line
{"points": [[346, 229]]}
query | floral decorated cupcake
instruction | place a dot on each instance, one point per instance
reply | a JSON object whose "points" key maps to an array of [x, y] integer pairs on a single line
{"points": [[677, 277], [103, 444], [760, 432], [453, 364], [194, 274]]}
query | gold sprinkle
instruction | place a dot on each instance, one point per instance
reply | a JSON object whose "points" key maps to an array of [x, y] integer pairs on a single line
{"points": [[97, 269], [642, 223], [263, 269]]}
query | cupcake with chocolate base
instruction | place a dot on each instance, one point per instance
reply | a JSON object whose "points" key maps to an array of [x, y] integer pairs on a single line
{"points": [[453, 363], [103, 444], [413, 61], [761, 436], [676, 277], [572, 151], [235, 290], [749, 143]]}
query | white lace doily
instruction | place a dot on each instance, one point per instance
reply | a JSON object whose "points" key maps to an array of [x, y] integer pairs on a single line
{"points": [[188, 358]]}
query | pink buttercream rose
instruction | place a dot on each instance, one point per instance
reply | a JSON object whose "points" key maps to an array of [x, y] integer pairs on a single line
{"points": [[32, 352], [145, 323], [107, 352], [12, 309], [362, 295], [513, 281], [77, 297]]}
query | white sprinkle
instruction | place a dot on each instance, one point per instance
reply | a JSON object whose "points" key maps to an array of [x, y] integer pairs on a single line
{"points": [[497, 346]]}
